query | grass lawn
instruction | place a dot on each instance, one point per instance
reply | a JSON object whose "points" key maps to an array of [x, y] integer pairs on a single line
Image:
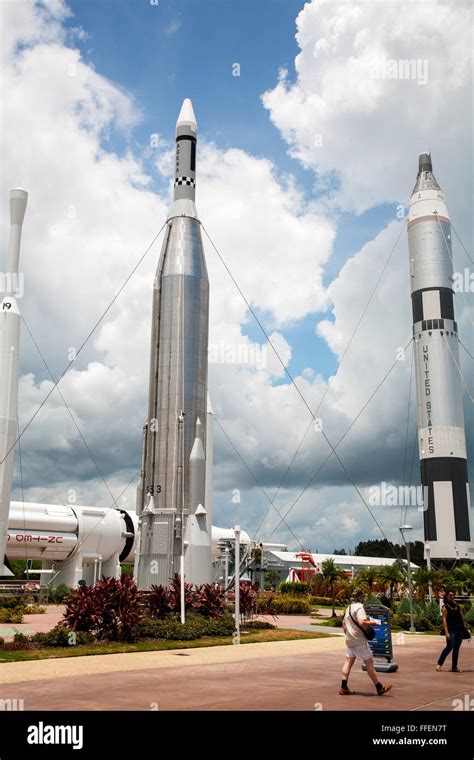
{"points": [[153, 645]]}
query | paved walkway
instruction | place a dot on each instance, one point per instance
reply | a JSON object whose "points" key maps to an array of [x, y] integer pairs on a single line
{"points": [[34, 623], [291, 675]]}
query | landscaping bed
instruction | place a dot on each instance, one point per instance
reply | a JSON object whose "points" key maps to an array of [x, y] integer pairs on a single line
{"points": [[153, 645]]}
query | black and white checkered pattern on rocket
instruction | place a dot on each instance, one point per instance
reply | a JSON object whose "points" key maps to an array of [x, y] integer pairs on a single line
{"points": [[184, 181]]}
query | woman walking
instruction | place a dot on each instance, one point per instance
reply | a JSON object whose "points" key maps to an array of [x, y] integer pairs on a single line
{"points": [[454, 626]]}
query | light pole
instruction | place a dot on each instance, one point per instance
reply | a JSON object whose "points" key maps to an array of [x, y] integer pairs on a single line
{"points": [[237, 584], [410, 588], [428, 565], [226, 569]]}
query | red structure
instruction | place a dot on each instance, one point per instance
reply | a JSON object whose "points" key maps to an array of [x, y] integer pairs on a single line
{"points": [[308, 567]]}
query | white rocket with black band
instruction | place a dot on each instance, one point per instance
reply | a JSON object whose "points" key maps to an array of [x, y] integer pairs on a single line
{"points": [[441, 434]]}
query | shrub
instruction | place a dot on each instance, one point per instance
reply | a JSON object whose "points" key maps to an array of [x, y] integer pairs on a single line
{"points": [[2, 641], [9, 602], [290, 605], [373, 600], [60, 636], [81, 613], [403, 607], [60, 593], [469, 616], [295, 588], [110, 609], [323, 601], [175, 594], [420, 622], [264, 605], [423, 624], [334, 622], [402, 621], [433, 614], [20, 638], [247, 600], [34, 609], [11, 615], [221, 626], [171, 629], [159, 601], [209, 601], [195, 627]]}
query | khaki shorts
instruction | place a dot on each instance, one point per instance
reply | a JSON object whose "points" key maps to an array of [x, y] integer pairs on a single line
{"points": [[361, 652]]}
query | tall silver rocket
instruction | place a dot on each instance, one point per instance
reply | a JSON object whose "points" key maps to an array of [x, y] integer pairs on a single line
{"points": [[441, 434], [171, 500], [9, 365]]}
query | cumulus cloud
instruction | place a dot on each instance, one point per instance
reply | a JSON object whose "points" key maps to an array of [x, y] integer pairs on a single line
{"points": [[91, 215], [355, 107]]}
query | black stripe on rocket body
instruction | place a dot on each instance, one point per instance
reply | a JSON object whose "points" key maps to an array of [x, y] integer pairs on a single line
{"points": [[446, 304], [442, 469]]}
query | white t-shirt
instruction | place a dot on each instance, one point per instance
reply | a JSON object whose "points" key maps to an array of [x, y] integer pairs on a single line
{"points": [[354, 636]]}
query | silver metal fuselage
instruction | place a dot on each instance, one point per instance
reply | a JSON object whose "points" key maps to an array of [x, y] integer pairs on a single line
{"points": [[178, 383], [9, 366]]}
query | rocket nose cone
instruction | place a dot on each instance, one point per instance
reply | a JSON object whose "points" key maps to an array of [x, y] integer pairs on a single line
{"points": [[186, 115], [18, 201], [424, 163]]}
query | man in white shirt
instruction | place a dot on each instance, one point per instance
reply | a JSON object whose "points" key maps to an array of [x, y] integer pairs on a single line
{"points": [[355, 620]]}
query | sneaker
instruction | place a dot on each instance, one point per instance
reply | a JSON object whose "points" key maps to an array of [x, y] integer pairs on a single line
{"points": [[384, 690], [345, 691]]}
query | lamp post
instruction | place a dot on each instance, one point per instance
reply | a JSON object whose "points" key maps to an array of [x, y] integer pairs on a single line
{"points": [[226, 569], [237, 584], [428, 565], [410, 588]]}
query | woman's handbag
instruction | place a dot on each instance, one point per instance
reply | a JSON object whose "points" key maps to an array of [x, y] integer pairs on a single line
{"points": [[368, 632], [466, 634]]}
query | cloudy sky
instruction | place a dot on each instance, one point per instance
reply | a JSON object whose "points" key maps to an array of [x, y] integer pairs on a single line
{"points": [[308, 150]]}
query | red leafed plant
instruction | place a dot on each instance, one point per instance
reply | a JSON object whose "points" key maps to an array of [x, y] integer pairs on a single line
{"points": [[247, 601], [160, 601], [175, 594], [209, 601], [111, 612], [81, 613]]}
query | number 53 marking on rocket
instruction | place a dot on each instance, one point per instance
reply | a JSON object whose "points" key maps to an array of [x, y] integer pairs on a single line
{"points": [[153, 489]]}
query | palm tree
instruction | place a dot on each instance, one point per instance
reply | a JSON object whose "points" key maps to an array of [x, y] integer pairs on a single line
{"points": [[422, 578], [451, 580], [464, 576], [367, 577], [392, 576], [345, 590], [331, 575]]}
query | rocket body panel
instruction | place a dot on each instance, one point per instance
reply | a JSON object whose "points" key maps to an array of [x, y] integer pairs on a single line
{"points": [[208, 502], [441, 432], [179, 360], [170, 482], [9, 365]]}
